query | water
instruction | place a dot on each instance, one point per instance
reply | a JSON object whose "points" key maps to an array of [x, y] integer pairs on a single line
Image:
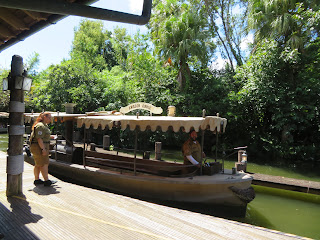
{"points": [[285, 211], [3, 142]]}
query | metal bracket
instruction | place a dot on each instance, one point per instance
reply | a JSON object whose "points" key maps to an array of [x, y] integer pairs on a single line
{"points": [[16, 129], [15, 106]]}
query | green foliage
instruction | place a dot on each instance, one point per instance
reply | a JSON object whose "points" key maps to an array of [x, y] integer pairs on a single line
{"points": [[228, 21], [206, 90], [89, 43], [4, 95], [180, 33], [291, 23], [155, 83], [118, 91], [32, 64], [120, 41], [277, 111], [72, 81]]}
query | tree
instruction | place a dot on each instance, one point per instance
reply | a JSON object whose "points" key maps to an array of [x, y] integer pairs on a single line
{"points": [[229, 27], [120, 41], [4, 95], [71, 81], [155, 82], [277, 117], [32, 64], [90, 45], [181, 36], [291, 23]]}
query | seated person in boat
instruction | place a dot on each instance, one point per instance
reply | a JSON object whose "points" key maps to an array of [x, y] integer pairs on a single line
{"points": [[191, 150]]}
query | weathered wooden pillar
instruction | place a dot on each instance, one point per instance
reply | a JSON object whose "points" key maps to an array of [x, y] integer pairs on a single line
{"points": [[92, 147], [202, 141], [15, 159], [69, 132], [135, 151], [69, 124], [158, 150], [106, 142]]}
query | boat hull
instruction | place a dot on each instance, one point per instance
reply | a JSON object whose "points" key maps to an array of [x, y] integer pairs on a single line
{"points": [[3, 130], [213, 189]]}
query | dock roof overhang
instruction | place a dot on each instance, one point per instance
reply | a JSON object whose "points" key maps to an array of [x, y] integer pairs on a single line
{"points": [[21, 18]]}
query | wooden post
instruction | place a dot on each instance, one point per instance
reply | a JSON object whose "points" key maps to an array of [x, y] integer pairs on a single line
{"points": [[69, 132], [157, 149], [15, 159], [217, 139], [202, 141], [92, 147], [84, 147], [135, 151], [146, 155], [69, 124], [106, 142]]}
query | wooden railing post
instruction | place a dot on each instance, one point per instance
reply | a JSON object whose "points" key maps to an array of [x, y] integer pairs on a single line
{"points": [[157, 148], [106, 142]]}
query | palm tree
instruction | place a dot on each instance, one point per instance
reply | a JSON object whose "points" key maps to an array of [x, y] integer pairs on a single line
{"points": [[282, 20], [180, 34]]}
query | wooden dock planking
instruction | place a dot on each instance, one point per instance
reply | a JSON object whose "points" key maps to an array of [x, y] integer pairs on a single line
{"points": [[68, 211], [286, 183]]}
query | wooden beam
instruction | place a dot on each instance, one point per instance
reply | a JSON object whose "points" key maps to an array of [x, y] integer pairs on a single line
{"points": [[11, 19], [35, 15], [5, 32]]}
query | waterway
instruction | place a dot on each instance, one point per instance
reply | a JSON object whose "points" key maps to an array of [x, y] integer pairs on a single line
{"points": [[285, 211]]}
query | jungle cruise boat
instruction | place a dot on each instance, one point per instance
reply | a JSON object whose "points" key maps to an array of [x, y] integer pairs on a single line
{"points": [[141, 176]]}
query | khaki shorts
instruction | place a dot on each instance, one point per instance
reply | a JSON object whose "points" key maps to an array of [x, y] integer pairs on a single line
{"points": [[39, 159]]}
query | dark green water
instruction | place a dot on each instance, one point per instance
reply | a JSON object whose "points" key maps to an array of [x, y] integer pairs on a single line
{"points": [[3, 142], [285, 211]]}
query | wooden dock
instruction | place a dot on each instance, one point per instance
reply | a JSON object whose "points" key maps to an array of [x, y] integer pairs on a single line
{"points": [[68, 211], [286, 183]]}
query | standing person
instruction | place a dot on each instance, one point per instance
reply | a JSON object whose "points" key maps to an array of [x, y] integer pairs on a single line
{"points": [[39, 141], [191, 150]]}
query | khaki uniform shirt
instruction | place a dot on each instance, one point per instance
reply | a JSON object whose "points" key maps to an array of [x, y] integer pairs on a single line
{"points": [[41, 130], [192, 148]]}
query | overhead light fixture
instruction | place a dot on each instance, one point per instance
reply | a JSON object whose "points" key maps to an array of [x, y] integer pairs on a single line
{"points": [[5, 84], [23, 83], [20, 83], [244, 157]]}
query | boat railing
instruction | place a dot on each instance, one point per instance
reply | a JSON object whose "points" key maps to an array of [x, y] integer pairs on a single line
{"points": [[65, 143], [142, 165], [119, 149]]}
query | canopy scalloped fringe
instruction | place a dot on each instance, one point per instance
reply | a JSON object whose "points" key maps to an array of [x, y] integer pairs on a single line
{"points": [[154, 122]]}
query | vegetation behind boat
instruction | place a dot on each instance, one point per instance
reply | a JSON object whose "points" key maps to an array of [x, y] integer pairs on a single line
{"points": [[172, 142]]}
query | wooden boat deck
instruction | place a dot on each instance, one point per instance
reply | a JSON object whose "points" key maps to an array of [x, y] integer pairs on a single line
{"points": [[68, 211]]}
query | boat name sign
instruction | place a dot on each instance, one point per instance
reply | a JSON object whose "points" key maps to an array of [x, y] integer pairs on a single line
{"points": [[141, 105]]}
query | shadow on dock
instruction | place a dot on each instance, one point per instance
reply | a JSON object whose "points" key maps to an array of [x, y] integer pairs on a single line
{"points": [[13, 223]]}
